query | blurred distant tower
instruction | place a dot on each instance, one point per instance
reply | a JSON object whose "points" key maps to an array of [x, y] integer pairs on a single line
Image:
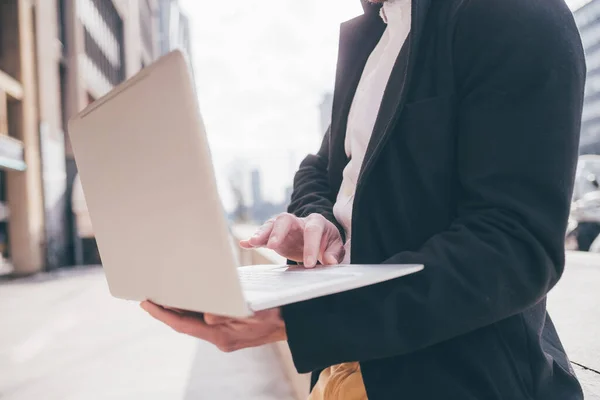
{"points": [[288, 194], [257, 198], [174, 27], [587, 16], [239, 183], [325, 109]]}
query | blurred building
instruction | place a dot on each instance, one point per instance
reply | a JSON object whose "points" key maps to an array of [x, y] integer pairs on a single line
{"points": [[174, 27], [288, 194], [251, 207], [256, 183], [261, 209], [325, 109], [57, 56], [22, 226], [587, 16]]}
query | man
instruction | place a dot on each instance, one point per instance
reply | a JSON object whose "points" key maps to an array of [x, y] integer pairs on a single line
{"points": [[453, 144]]}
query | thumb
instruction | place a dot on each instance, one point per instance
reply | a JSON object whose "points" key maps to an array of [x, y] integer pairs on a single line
{"points": [[330, 259], [334, 254]]}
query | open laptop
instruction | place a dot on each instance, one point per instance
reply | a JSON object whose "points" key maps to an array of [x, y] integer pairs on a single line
{"points": [[147, 174]]}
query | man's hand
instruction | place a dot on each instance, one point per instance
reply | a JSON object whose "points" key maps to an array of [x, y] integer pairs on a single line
{"points": [[306, 240], [225, 333]]}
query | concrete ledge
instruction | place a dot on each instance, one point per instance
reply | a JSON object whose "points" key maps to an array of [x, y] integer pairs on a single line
{"points": [[299, 382]]}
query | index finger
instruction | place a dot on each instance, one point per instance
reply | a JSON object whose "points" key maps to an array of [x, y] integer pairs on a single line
{"points": [[260, 237], [313, 233]]}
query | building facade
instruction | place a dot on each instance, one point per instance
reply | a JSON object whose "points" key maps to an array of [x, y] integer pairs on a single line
{"points": [[587, 17], [105, 42], [22, 236], [57, 56]]}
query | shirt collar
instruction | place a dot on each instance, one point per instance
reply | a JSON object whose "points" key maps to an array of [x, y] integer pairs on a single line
{"points": [[395, 12]]}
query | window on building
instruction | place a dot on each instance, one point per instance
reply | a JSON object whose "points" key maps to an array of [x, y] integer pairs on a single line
{"points": [[1, 41], [592, 85], [104, 38], [147, 27], [62, 36], [587, 14], [63, 96]]}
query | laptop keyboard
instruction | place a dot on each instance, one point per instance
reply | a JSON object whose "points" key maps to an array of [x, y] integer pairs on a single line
{"points": [[274, 281]]}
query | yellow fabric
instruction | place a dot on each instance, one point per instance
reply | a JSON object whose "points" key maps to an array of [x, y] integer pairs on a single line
{"points": [[340, 382]]}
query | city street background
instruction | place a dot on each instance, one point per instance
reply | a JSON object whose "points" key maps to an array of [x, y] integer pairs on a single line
{"points": [[264, 73]]}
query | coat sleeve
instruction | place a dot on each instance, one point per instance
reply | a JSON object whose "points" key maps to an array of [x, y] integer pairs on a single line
{"points": [[520, 71], [312, 193]]}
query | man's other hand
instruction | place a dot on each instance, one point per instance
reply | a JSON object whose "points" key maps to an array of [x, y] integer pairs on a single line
{"points": [[227, 334], [306, 240]]}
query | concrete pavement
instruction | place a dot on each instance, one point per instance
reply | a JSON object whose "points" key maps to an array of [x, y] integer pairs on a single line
{"points": [[574, 305], [64, 338]]}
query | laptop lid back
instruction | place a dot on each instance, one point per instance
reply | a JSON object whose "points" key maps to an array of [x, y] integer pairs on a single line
{"points": [[150, 187]]}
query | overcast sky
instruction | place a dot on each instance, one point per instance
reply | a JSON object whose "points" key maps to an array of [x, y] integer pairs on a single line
{"points": [[261, 69]]}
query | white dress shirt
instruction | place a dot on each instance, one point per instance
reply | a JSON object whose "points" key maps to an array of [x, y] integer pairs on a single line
{"points": [[365, 105]]}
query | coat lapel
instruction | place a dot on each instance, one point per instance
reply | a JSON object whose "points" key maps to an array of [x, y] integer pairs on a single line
{"points": [[358, 38], [395, 93]]}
